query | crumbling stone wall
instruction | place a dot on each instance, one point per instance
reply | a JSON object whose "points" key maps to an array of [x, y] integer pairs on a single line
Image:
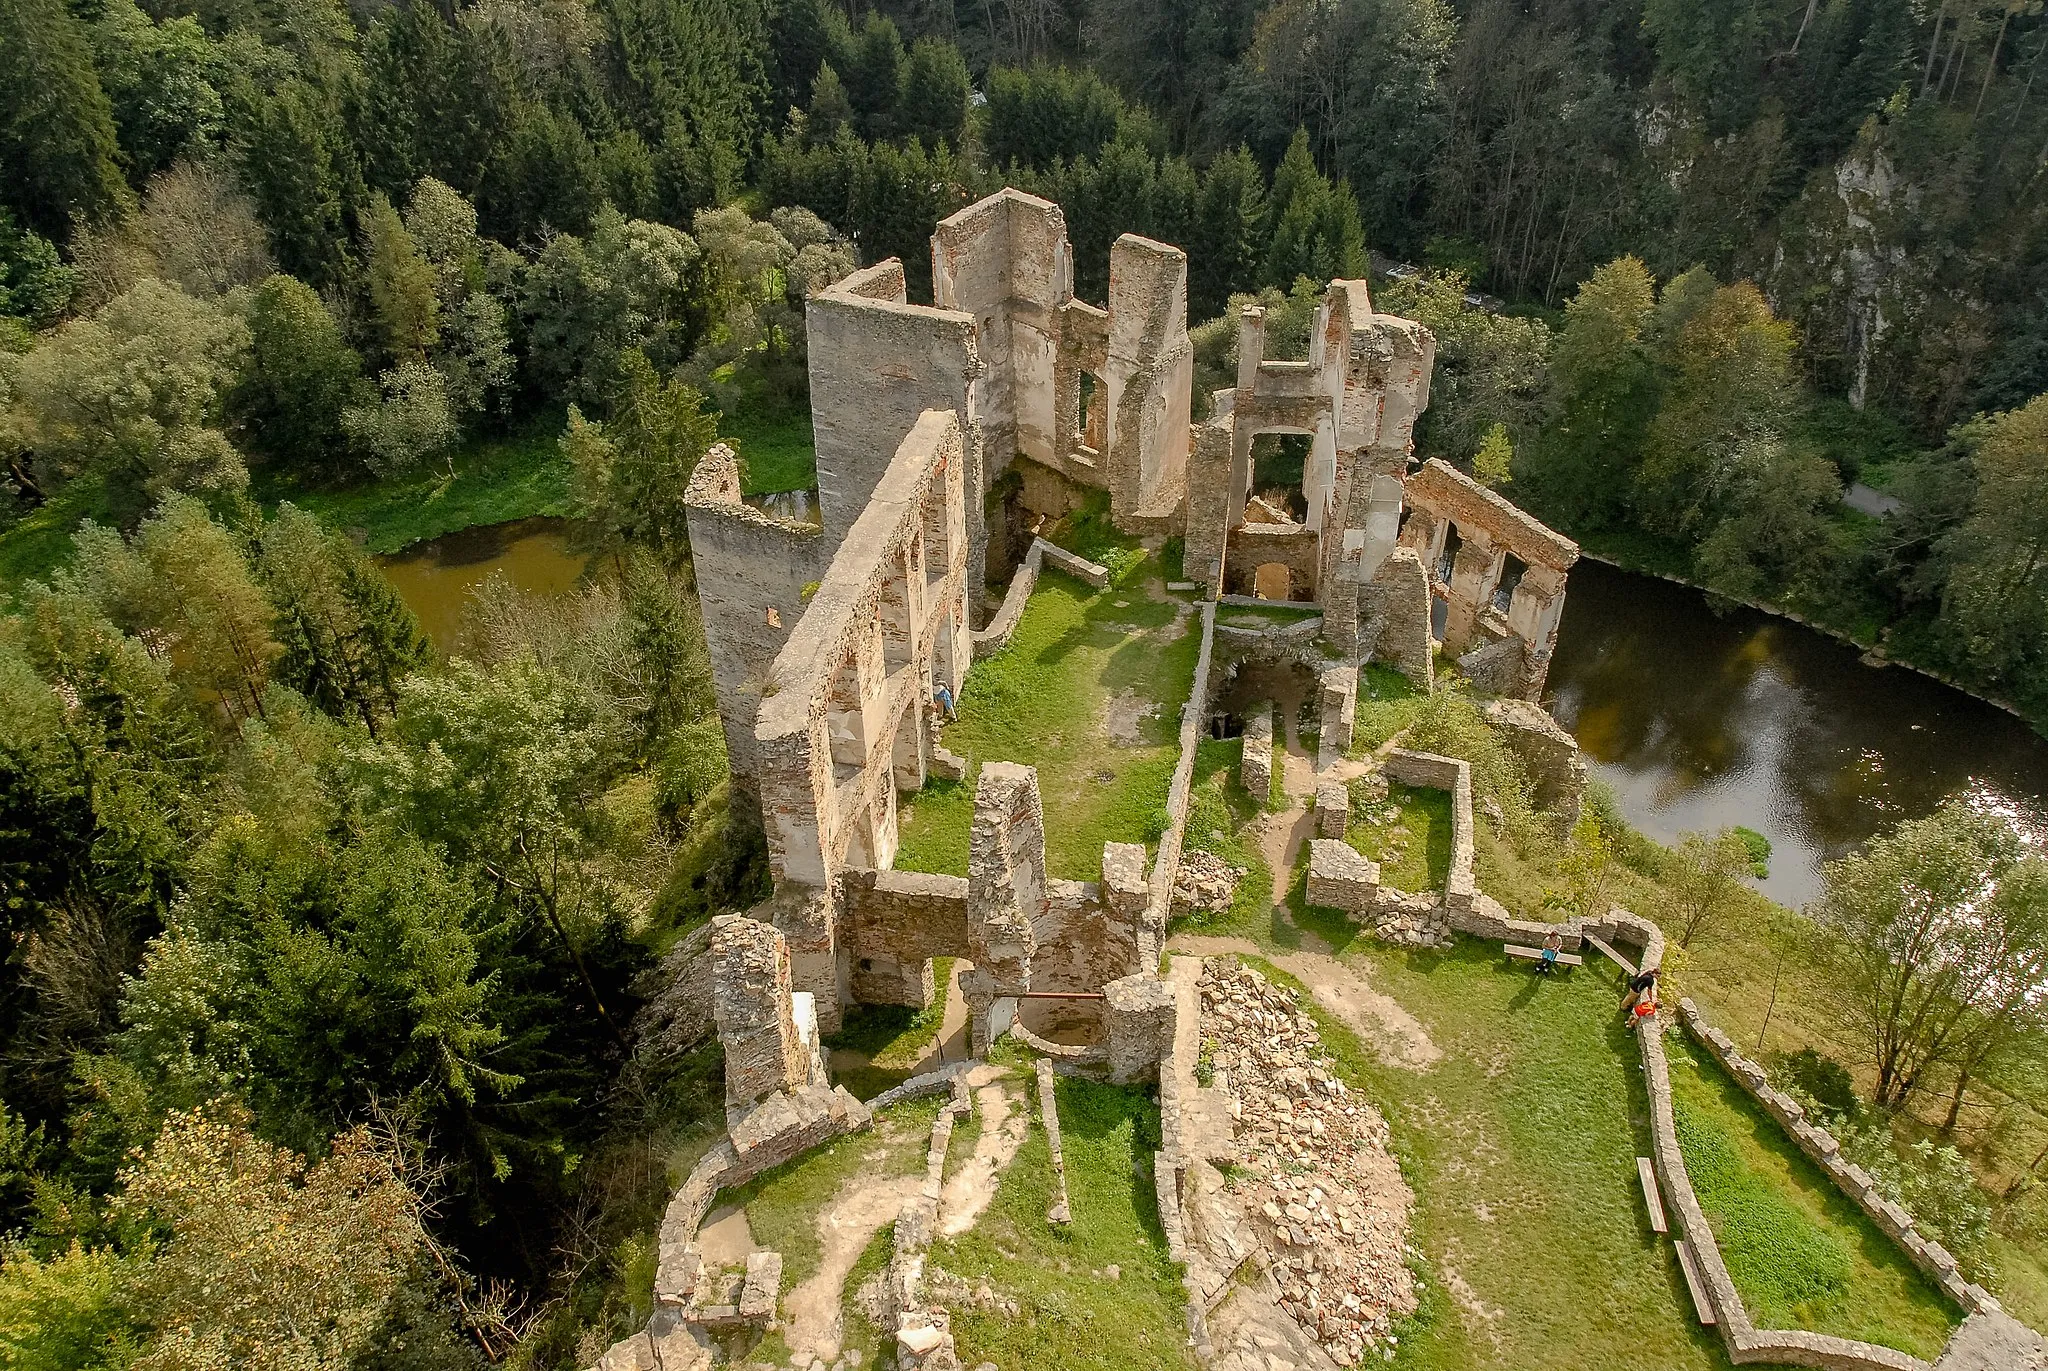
{"points": [[752, 570], [756, 1011], [1006, 895], [1552, 757], [1482, 607]]}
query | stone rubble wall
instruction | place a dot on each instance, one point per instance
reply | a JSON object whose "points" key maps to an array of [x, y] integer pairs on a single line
{"points": [[1394, 618], [1337, 702], [1194, 717], [924, 1335], [1061, 1214], [1255, 759], [1445, 773], [1822, 1149], [1556, 766]]}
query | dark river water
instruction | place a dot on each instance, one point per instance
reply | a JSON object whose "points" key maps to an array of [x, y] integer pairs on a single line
{"points": [[435, 578], [1702, 721]]}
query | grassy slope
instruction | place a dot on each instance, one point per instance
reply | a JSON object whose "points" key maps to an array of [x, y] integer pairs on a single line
{"points": [[515, 476], [1071, 1318], [41, 542], [1521, 1145], [775, 448], [1042, 700], [1801, 1254], [890, 1037]]}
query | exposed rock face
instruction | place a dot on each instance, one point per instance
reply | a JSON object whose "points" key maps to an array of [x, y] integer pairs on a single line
{"points": [[1317, 1179]]}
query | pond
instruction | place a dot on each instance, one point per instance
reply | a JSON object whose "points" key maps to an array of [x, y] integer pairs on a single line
{"points": [[435, 577], [1700, 721]]}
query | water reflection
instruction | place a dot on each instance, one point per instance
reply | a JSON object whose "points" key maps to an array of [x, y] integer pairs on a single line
{"points": [[1699, 721], [435, 578]]}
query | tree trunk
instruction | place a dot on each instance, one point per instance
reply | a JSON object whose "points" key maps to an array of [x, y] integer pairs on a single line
{"points": [[1991, 67], [1933, 47], [1955, 1103]]}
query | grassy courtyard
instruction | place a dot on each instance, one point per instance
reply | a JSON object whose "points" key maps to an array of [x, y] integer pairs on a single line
{"points": [[1408, 834], [1801, 1255], [1089, 691], [1073, 1315]]}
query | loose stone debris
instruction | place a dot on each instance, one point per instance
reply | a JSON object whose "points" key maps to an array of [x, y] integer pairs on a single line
{"points": [[1206, 883], [1316, 1171]]}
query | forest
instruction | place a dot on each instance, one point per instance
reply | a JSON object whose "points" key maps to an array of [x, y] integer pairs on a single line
{"points": [[323, 953]]}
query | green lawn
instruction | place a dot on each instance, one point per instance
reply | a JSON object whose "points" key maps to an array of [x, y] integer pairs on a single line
{"points": [[497, 479], [1051, 699], [1520, 1145], [41, 542], [1072, 1317], [1387, 703], [775, 448], [1220, 813], [1414, 848], [1801, 1254]]}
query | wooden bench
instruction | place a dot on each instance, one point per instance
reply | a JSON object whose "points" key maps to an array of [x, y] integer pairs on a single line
{"points": [[1627, 967], [1652, 1201], [1698, 1287], [1535, 954]]}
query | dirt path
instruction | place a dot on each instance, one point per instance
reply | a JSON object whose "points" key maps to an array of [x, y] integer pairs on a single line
{"points": [[970, 1189], [725, 1239], [811, 1315], [951, 1043], [1375, 1016]]}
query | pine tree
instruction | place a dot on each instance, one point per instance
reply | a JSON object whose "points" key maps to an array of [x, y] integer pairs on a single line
{"points": [[1228, 244], [301, 376], [402, 285], [57, 139]]}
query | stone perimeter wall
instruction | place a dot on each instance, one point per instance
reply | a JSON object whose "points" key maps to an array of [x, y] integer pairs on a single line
{"points": [[1825, 1152]]}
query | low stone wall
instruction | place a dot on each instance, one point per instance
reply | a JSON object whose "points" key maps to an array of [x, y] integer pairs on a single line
{"points": [[1825, 1152], [1746, 1343], [1451, 774], [1193, 716], [1061, 1214], [1072, 563]]}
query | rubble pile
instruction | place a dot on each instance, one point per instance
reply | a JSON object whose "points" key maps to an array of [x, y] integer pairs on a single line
{"points": [[1206, 883], [1316, 1179]]}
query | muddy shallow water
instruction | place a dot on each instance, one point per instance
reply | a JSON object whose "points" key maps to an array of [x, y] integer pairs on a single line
{"points": [[1701, 720], [435, 578]]}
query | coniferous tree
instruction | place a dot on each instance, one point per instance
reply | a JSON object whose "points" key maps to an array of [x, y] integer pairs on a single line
{"points": [[57, 137]]}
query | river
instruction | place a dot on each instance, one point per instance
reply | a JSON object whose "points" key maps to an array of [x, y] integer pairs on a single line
{"points": [[435, 578], [1697, 720], [1701, 721]]}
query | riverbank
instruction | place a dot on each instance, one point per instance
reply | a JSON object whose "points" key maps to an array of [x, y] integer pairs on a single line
{"points": [[1646, 555]]}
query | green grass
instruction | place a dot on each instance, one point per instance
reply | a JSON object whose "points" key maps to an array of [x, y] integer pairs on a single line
{"points": [[775, 445], [783, 1204], [1276, 615], [890, 1037], [1387, 703], [1072, 1318], [1413, 850], [1043, 701], [41, 542], [1801, 1255], [1520, 1145], [497, 479], [1220, 815]]}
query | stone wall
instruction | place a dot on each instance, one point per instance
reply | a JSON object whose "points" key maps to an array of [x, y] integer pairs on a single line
{"points": [[1490, 531], [752, 573], [1455, 776], [765, 1051]]}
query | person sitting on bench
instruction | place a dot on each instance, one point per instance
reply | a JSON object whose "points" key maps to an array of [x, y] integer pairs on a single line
{"points": [[1642, 986], [1552, 945]]}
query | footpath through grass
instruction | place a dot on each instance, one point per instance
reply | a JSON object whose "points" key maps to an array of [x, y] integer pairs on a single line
{"points": [[1801, 1254], [1089, 691], [1073, 1315]]}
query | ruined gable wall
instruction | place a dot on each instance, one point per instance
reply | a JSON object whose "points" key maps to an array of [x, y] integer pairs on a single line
{"points": [[875, 366], [1149, 373], [747, 564]]}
